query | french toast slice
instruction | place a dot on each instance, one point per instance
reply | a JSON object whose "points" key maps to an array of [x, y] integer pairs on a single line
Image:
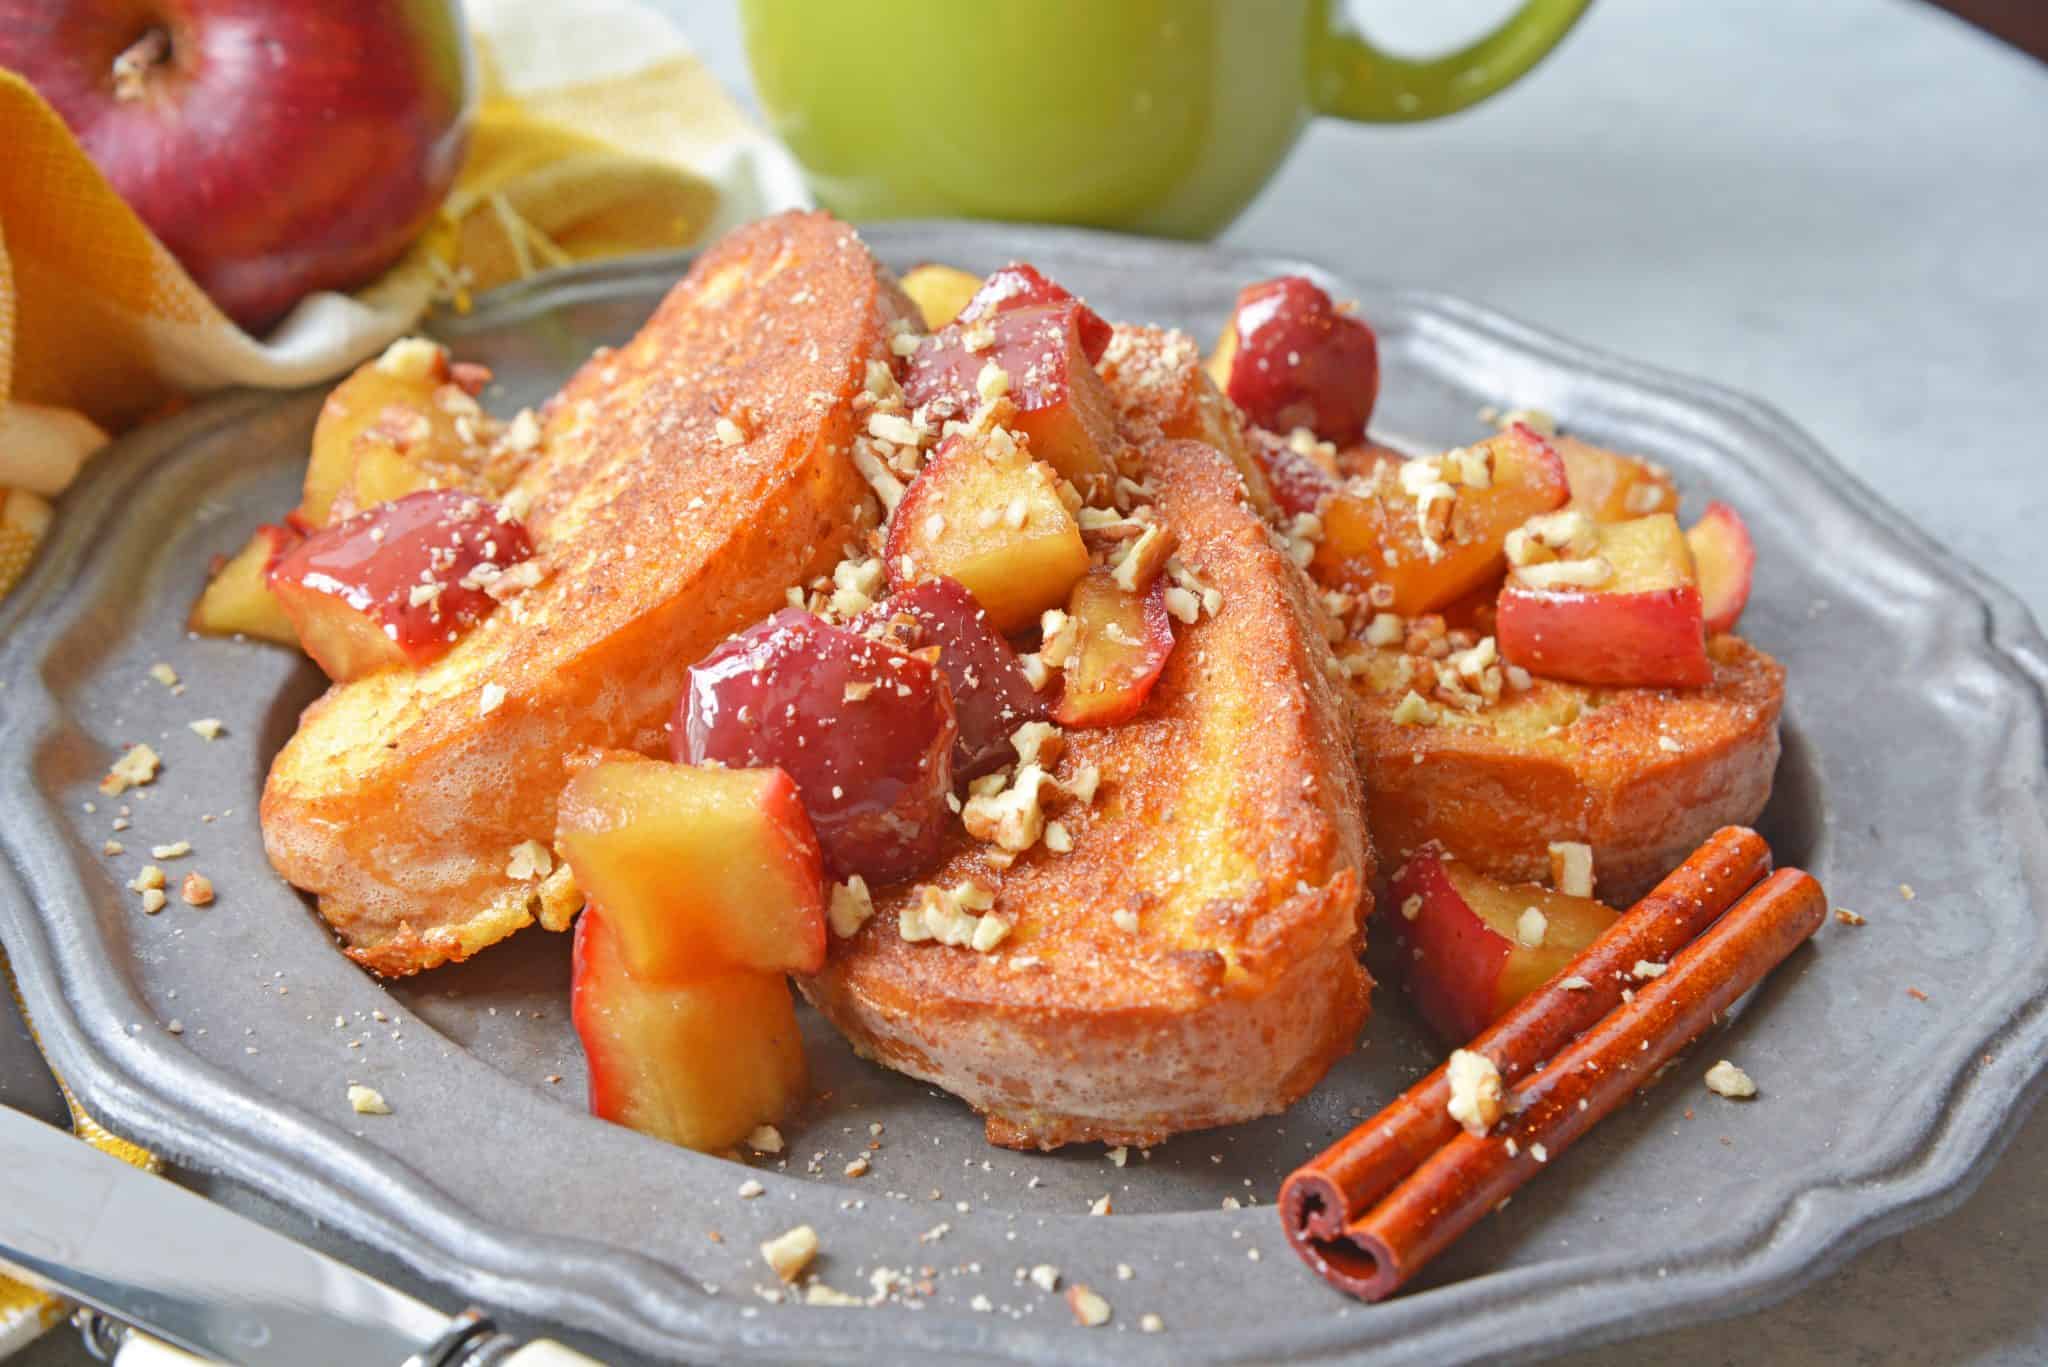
{"points": [[1193, 961], [683, 483], [1643, 775], [1163, 391]]}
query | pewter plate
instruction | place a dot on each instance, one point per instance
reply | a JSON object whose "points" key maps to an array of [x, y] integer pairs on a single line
{"points": [[1914, 754]]}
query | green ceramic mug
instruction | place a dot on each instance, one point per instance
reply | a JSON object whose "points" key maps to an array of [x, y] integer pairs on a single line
{"points": [[1157, 116]]}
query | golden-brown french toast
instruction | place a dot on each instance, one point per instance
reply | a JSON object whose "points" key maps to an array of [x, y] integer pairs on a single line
{"points": [[1193, 961], [1162, 391], [1643, 775], [683, 484]]}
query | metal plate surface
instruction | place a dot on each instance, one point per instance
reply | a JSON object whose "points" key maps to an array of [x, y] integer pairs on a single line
{"points": [[1914, 755]]}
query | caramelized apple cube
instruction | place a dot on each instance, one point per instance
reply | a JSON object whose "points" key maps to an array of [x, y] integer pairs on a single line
{"points": [[1020, 285], [983, 513], [939, 292], [1725, 559], [699, 871], [1063, 406], [397, 584], [1434, 530], [865, 730], [1610, 487], [411, 416], [237, 600], [700, 1063], [1629, 615], [1477, 947], [992, 697], [1121, 641], [1290, 357]]}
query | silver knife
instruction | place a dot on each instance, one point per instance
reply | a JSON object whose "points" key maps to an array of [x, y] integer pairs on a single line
{"points": [[85, 1226]]}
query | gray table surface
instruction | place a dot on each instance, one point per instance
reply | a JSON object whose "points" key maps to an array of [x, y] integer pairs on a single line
{"points": [[1840, 207]]}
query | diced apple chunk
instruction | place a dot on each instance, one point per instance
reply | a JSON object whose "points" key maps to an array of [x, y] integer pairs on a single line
{"points": [[1290, 357], [403, 422], [1725, 559], [939, 292], [1629, 615], [983, 513], [396, 585], [698, 870], [1063, 406], [1610, 487], [700, 1064], [1433, 530], [1477, 947], [992, 697], [237, 600], [864, 729], [1021, 285], [1121, 642]]}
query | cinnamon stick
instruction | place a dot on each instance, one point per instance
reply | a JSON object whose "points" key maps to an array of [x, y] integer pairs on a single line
{"points": [[1473, 1174], [1326, 1194]]}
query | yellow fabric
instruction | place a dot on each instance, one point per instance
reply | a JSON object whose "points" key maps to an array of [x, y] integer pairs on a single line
{"points": [[574, 157], [598, 134]]}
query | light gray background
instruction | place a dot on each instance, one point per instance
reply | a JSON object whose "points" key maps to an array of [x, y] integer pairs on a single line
{"points": [[1838, 205]]}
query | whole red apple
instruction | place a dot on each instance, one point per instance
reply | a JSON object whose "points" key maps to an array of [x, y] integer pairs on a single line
{"points": [[276, 147]]}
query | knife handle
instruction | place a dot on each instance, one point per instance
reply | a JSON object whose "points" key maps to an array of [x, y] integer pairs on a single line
{"points": [[548, 1353]]}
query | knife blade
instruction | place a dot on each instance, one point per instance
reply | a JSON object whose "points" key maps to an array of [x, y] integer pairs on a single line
{"points": [[83, 1225]]}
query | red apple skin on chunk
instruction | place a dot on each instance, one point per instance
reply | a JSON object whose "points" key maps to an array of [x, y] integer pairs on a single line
{"points": [[698, 1064], [1123, 641], [1725, 559], [1467, 966], [398, 583], [866, 731], [1373, 535], [984, 513], [1644, 628], [274, 148], [1021, 285], [1298, 483], [1063, 406], [699, 870], [991, 695], [1289, 357]]}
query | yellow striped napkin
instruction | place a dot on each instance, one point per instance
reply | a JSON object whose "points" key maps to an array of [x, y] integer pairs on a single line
{"points": [[599, 133]]}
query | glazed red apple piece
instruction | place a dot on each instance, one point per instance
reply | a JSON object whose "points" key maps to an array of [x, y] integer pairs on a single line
{"points": [[698, 870], [1397, 527], [1021, 285], [866, 731], [1299, 483], [1063, 406], [1473, 949], [1121, 641], [700, 1063], [991, 695], [398, 583], [1627, 615], [984, 513], [1290, 357], [1725, 559]]}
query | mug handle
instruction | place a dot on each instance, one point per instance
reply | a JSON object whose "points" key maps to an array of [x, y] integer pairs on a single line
{"points": [[1351, 79]]}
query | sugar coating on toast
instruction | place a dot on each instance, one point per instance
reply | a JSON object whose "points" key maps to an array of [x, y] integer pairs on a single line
{"points": [[1643, 775], [684, 482], [1193, 960]]}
